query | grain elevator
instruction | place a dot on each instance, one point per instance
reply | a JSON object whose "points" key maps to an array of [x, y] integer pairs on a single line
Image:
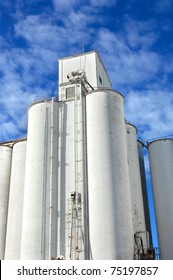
{"points": [[76, 185]]}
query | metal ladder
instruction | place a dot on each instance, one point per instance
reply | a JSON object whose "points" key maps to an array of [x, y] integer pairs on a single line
{"points": [[76, 203], [79, 212], [74, 229]]}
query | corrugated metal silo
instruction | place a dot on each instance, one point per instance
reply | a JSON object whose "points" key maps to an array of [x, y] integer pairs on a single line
{"points": [[5, 172], [15, 209], [110, 213], [161, 164], [39, 233], [144, 189], [140, 234]]}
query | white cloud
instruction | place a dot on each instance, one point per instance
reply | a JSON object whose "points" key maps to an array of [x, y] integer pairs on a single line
{"points": [[5, 4], [140, 34], [23, 79], [66, 5], [44, 33], [163, 6], [127, 54], [125, 66], [8, 130], [103, 3], [38, 30], [150, 111], [25, 73]]}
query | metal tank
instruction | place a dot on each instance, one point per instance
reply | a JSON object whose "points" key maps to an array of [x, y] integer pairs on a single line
{"points": [[15, 209], [141, 236], [141, 147], [39, 232], [161, 164], [5, 172], [110, 212]]}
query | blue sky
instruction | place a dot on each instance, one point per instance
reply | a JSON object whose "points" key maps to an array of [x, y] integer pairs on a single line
{"points": [[134, 39]]}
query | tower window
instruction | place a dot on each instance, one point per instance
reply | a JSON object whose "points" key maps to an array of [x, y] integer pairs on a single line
{"points": [[100, 79]]}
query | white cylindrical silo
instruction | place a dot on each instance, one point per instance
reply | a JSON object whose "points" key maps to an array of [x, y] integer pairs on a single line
{"points": [[5, 173], [15, 209], [110, 213], [144, 189], [161, 164], [39, 233], [140, 234]]}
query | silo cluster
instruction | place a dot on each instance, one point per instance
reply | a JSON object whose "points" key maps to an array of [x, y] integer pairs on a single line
{"points": [[76, 186]]}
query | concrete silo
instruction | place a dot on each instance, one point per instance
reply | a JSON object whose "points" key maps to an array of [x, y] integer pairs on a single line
{"points": [[40, 182], [5, 172], [53, 182], [141, 236], [15, 209], [110, 213], [161, 163]]}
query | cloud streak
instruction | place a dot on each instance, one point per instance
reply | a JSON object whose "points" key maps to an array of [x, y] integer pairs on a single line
{"points": [[152, 112], [137, 68]]}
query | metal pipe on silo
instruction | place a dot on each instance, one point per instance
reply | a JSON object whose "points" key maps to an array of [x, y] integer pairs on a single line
{"points": [[5, 173], [51, 206], [110, 212], [53, 184], [63, 135], [15, 209], [161, 163], [85, 187]]}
